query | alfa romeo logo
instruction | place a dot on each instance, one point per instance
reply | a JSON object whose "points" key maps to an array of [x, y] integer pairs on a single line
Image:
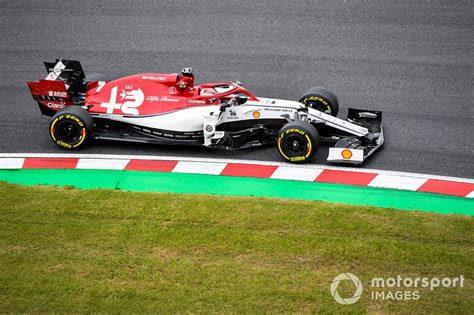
{"points": [[335, 283]]}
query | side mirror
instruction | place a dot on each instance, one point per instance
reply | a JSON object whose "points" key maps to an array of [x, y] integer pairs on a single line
{"points": [[240, 99]]}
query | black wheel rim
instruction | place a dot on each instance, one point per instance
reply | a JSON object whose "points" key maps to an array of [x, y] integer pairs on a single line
{"points": [[319, 106], [68, 131], [295, 145]]}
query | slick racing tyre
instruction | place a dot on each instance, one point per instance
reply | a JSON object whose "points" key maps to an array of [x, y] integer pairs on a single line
{"points": [[321, 99], [71, 127], [297, 141]]}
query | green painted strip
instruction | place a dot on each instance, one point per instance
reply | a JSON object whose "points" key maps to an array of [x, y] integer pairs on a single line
{"points": [[241, 186]]}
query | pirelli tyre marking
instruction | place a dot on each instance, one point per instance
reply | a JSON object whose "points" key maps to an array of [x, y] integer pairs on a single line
{"points": [[295, 145], [68, 131], [323, 103]]}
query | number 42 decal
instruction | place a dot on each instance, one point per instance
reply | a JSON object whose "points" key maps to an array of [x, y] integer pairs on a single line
{"points": [[132, 99]]}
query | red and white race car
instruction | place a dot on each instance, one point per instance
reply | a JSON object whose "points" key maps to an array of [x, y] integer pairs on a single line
{"points": [[171, 109]]}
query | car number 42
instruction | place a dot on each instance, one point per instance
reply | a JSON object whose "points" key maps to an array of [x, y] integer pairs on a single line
{"points": [[131, 101]]}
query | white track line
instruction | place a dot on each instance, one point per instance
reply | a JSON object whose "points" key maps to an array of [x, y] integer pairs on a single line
{"points": [[397, 182], [210, 168], [11, 163], [304, 174], [102, 164]]}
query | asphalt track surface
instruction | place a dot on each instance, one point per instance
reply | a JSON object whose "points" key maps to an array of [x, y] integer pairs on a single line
{"points": [[411, 59]]}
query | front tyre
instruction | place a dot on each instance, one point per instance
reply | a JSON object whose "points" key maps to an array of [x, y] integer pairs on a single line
{"points": [[321, 99], [71, 127], [297, 141]]}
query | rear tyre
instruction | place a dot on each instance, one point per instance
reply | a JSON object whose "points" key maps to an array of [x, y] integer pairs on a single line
{"points": [[321, 99], [297, 141], [71, 127]]}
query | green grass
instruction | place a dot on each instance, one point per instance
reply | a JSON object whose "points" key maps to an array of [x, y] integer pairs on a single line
{"points": [[69, 250]]}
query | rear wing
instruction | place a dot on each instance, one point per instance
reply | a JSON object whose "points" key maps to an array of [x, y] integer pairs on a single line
{"points": [[63, 86], [64, 69]]}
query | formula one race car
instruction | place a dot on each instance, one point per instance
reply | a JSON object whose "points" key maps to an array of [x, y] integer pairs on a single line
{"points": [[170, 109]]}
